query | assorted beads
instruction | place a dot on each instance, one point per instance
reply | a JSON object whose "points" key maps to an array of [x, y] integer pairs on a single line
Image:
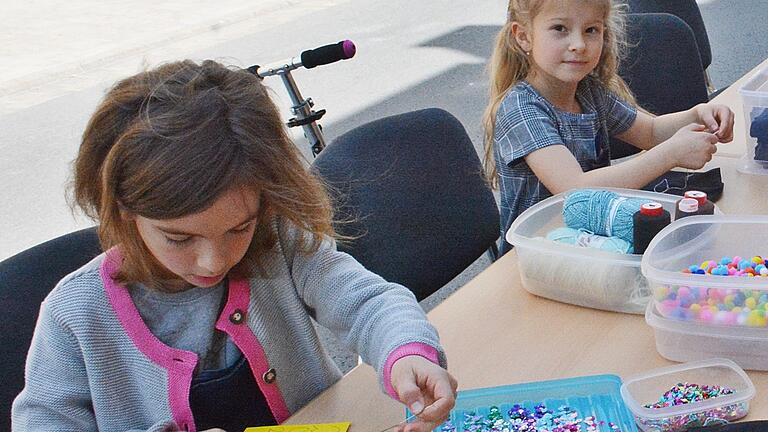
{"points": [[687, 393], [521, 419], [737, 307]]}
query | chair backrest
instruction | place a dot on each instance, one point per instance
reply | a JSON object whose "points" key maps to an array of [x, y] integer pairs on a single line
{"points": [[688, 11], [662, 68], [409, 189], [25, 280]]}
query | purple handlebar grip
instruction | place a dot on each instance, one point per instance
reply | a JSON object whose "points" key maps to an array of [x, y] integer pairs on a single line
{"points": [[328, 54], [349, 49]]}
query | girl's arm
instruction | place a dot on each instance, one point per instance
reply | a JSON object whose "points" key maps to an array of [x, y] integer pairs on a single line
{"points": [[649, 131], [557, 168]]}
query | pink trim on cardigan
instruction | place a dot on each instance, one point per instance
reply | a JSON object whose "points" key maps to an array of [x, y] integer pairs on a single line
{"points": [[242, 335], [180, 364], [413, 348]]}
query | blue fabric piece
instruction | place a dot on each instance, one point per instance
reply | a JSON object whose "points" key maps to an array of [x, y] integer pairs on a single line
{"points": [[759, 130]]}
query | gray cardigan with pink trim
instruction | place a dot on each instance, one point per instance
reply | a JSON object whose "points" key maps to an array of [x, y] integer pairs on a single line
{"points": [[93, 364]]}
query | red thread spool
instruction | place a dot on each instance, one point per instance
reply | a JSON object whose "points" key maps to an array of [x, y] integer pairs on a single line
{"points": [[648, 221]]}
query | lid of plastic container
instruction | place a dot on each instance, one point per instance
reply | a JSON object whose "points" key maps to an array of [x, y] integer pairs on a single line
{"points": [[528, 230], [699, 196], [688, 205], [743, 388], [692, 239]]}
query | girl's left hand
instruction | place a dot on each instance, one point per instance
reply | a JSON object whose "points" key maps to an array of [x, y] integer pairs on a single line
{"points": [[426, 389], [718, 119]]}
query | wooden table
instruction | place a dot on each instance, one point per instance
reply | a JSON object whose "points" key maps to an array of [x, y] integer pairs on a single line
{"points": [[496, 333]]}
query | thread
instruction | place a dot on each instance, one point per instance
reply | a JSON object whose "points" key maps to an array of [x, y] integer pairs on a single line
{"points": [[686, 207], [647, 222], [601, 212], [583, 238], [706, 207]]}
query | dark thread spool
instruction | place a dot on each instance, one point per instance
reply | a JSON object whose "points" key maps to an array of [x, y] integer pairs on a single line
{"points": [[706, 207], [686, 207], [648, 221]]}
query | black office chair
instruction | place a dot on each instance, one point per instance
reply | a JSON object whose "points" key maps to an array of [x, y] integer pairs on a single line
{"points": [[688, 11], [410, 191], [25, 279], [662, 68]]}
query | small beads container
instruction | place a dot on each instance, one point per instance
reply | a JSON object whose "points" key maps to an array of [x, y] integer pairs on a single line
{"points": [[695, 394], [709, 280], [582, 404], [582, 276]]}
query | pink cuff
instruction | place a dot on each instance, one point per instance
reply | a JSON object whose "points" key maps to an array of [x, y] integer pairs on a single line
{"points": [[413, 348]]}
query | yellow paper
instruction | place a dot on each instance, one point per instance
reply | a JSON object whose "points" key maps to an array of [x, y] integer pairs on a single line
{"points": [[324, 427]]}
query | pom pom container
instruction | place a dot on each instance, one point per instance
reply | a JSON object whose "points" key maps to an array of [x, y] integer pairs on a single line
{"points": [[597, 395], [577, 275], [647, 388], [754, 98], [698, 316]]}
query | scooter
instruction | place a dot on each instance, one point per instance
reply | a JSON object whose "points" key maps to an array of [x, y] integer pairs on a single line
{"points": [[305, 115]]}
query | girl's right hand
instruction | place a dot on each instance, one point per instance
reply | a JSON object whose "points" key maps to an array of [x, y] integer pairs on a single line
{"points": [[692, 146]]}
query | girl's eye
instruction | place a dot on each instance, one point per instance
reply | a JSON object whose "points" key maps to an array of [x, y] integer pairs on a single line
{"points": [[177, 241], [558, 28], [245, 228], [593, 30]]}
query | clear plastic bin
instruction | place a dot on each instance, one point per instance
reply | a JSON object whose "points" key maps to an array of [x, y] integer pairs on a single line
{"points": [[582, 276], [644, 390], [754, 98], [688, 340], [707, 299], [598, 396]]}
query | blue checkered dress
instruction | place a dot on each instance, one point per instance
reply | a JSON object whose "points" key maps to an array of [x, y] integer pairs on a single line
{"points": [[526, 122]]}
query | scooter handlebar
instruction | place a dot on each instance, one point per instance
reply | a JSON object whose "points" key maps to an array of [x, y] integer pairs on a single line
{"points": [[328, 54]]}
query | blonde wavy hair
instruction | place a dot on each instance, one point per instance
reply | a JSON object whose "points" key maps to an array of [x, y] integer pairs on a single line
{"points": [[509, 64]]}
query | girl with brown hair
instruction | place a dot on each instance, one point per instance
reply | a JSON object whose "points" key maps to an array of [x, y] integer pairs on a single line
{"points": [[219, 252]]}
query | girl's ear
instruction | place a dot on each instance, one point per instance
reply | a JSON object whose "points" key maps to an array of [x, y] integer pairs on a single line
{"points": [[521, 36]]}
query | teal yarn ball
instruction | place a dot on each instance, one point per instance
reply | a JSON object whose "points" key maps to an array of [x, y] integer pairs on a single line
{"points": [[601, 212], [585, 238]]}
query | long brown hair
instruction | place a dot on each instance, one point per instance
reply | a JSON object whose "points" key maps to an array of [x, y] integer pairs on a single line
{"points": [[168, 142], [509, 64]]}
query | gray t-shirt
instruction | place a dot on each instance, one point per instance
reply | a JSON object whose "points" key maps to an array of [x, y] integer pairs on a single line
{"points": [[187, 320]]}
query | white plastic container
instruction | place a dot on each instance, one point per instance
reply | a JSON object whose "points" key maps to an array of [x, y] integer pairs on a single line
{"points": [[644, 390], [698, 316], [577, 275], [686, 341], [754, 98]]}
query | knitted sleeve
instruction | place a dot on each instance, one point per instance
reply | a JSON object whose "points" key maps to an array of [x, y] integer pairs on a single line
{"points": [[56, 395], [368, 314]]}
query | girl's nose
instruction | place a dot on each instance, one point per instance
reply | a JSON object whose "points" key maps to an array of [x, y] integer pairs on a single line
{"points": [[576, 43], [212, 259]]}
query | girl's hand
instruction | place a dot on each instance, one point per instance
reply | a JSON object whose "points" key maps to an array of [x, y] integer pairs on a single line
{"points": [[718, 119], [692, 146], [428, 390]]}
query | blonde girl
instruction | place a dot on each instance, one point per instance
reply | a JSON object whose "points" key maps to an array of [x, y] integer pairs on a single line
{"points": [[219, 252], [556, 99]]}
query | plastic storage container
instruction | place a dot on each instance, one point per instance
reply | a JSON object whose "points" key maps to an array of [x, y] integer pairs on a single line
{"points": [[700, 315], [687, 340], [578, 275], [647, 388], [598, 396], [754, 98]]}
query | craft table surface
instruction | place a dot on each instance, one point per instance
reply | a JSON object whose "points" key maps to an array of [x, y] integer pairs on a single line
{"points": [[496, 333]]}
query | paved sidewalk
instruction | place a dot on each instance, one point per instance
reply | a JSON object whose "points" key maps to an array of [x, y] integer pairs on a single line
{"points": [[50, 48]]}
